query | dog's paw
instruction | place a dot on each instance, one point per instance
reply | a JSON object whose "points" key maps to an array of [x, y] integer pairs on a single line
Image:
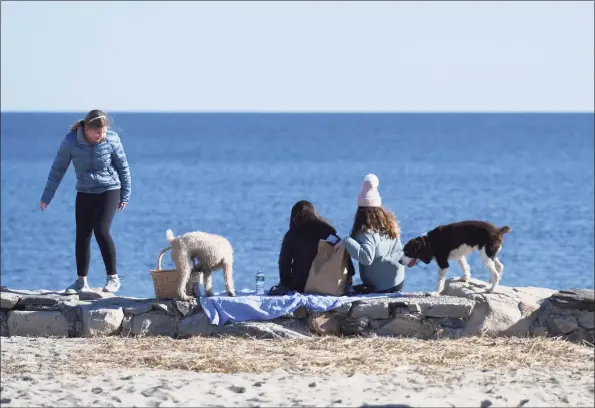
{"points": [[492, 288], [184, 297], [432, 294], [231, 294]]}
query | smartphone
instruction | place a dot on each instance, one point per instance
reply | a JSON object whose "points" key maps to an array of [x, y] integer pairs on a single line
{"points": [[333, 239]]}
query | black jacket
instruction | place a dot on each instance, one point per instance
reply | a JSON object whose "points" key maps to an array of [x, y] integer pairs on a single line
{"points": [[299, 248]]}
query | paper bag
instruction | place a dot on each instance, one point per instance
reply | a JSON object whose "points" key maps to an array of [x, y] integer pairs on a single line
{"points": [[328, 273]]}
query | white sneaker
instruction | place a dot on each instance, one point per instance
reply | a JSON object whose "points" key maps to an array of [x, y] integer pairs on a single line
{"points": [[112, 283], [79, 285]]}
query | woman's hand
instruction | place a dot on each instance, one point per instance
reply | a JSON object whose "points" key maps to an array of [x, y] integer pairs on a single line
{"points": [[42, 205], [121, 206]]}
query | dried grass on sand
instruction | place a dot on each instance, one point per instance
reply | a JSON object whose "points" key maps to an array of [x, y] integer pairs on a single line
{"points": [[323, 355]]}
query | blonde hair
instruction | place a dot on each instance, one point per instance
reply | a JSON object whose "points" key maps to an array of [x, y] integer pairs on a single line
{"points": [[95, 119]]}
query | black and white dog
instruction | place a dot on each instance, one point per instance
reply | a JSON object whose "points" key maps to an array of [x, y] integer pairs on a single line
{"points": [[456, 241]]}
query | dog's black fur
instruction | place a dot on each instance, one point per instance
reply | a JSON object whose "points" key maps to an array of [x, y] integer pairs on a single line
{"points": [[456, 241]]}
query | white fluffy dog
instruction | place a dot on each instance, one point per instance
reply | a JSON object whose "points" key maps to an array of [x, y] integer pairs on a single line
{"points": [[212, 251]]}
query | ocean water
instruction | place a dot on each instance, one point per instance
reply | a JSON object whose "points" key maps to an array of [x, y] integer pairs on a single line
{"points": [[239, 174]]}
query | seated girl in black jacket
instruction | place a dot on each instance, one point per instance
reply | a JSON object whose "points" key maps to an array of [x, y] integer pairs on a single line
{"points": [[300, 247]]}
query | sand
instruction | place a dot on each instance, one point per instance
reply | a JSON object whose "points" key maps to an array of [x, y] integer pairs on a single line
{"points": [[96, 372]]}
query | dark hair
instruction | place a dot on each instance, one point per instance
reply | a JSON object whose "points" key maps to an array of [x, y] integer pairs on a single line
{"points": [[302, 211], [376, 219], [95, 119]]}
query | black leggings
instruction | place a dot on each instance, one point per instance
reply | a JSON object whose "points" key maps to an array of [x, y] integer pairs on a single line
{"points": [[94, 213]]}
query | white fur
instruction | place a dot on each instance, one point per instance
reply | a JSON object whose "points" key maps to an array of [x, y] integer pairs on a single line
{"points": [[212, 251], [494, 266]]}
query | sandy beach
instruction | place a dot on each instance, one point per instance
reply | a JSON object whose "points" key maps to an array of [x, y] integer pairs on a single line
{"points": [[374, 372]]}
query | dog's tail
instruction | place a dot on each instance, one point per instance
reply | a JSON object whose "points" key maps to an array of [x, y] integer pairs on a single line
{"points": [[504, 230], [169, 234]]}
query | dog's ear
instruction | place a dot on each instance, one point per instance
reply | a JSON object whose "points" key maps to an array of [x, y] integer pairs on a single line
{"points": [[419, 244]]}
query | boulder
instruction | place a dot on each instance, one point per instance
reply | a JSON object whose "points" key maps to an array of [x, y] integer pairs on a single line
{"points": [[579, 299], [325, 323], [197, 324], [561, 325], [94, 294], [8, 300], [3, 323], [153, 324], [407, 325], [98, 321], [506, 311], [352, 326], [456, 310], [45, 323], [372, 309], [586, 319]]}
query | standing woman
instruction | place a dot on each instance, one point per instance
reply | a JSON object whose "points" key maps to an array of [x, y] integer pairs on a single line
{"points": [[102, 185]]}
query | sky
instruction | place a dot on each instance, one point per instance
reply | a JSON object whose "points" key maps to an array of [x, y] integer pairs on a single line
{"points": [[297, 56]]}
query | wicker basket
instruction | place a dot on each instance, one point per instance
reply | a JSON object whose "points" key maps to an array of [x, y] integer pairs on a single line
{"points": [[165, 281]]}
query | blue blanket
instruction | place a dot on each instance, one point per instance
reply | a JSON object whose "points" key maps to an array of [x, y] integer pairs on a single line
{"points": [[249, 307]]}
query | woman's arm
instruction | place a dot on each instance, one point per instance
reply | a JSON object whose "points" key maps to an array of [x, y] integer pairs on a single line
{"points": [[363, 248], [59, 167], [285, 261], [121, 164]]}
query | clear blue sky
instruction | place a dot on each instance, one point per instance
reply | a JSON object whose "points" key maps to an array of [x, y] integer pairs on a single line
{"points": [[297, 56]]}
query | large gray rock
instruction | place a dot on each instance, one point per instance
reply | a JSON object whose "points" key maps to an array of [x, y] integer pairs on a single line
{"points": [[560, 325], [72, 312], [37, 323], [101, 321], [462, 310], [355, 326], [587, 319], [258, 330], [506, 311], [197, 324], [153, 324], [94, 294], [8, 300], [371, 309], [440, 306], [407, 325], [3, 323], [580, 299], [45, 301]]}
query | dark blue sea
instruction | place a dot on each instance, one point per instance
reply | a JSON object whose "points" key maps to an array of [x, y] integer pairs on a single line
{"points": [[239, 174]]}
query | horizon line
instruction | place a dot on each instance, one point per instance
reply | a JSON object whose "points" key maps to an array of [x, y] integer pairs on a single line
{"points": [[330, 112]]}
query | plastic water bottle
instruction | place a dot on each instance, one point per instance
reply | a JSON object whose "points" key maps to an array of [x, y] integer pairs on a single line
{"points": [[260, 283]]}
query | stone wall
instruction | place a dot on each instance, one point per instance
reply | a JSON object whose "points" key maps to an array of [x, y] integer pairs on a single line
{"points": [[461, 311]]}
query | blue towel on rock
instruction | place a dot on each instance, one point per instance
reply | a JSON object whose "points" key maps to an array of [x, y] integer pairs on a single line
{"points": [[250, 307]]}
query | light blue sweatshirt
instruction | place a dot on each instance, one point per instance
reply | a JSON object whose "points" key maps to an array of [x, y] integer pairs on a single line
{"points": [[378, 257]]}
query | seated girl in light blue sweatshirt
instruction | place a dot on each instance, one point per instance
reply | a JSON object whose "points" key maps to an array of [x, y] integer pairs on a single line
{"points": [[375, 243]]}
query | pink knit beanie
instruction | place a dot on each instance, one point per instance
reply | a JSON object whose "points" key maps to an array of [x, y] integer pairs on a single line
{"points": [[369, 195]]}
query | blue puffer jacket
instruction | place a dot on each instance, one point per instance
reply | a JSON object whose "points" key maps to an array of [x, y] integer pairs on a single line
{"points": [[99, 167]]}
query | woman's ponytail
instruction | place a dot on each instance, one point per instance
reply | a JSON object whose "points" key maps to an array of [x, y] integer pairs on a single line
{"points": [[77, 125]]}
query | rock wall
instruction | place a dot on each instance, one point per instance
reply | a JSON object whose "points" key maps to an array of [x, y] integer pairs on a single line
{"points": [[461, 311]]}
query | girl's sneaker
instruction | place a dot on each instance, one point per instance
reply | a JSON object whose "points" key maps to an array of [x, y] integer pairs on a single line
{"points": [[112, 283], [79, 285]]}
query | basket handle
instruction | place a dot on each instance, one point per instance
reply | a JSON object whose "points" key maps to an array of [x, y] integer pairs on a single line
{"points": [[161, 256]]}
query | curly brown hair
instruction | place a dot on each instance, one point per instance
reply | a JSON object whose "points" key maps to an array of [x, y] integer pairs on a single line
{"points": [[376, 219]]}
